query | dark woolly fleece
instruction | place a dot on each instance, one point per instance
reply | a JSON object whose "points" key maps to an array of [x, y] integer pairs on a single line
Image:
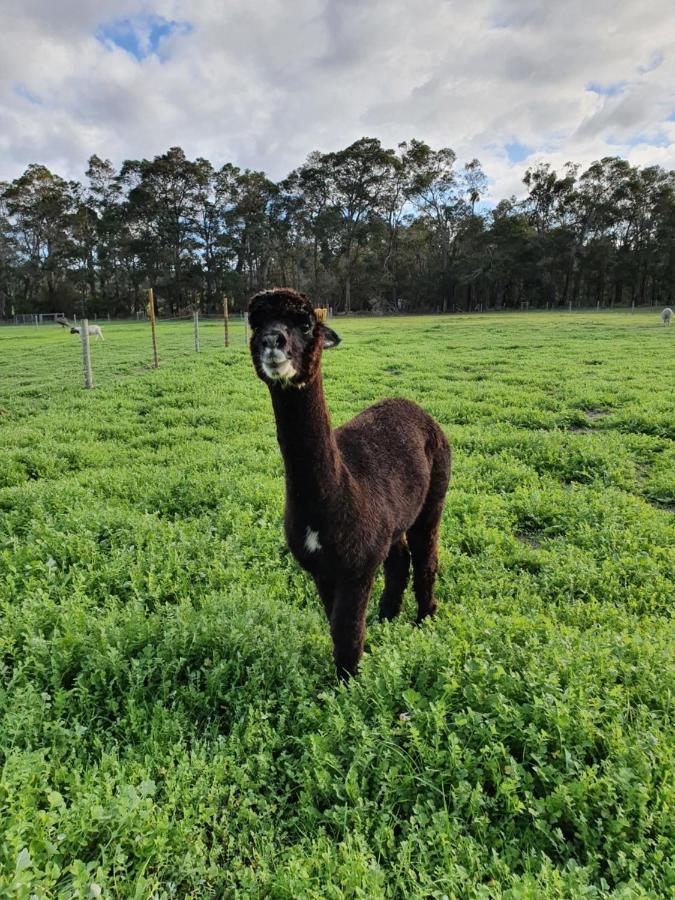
{"points": [[294, 308], [372, 491]]}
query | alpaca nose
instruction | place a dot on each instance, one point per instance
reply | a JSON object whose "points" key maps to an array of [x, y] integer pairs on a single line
{"points": [[274, 340]]}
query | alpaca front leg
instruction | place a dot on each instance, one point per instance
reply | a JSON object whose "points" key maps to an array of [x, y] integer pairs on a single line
{"points": [[326, 589], [348, 624]]}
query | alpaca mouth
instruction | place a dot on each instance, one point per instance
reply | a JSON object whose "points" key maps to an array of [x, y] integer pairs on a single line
{"points": [[277, 366]]}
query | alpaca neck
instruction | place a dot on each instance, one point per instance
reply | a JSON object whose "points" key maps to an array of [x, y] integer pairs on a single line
{"points": [[307, 443]]}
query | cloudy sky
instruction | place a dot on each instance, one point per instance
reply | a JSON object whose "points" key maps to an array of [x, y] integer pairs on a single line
{"points": [[262, 82]]}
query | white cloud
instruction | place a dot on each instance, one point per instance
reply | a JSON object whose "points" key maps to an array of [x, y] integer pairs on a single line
{"points": [[261, 84]]}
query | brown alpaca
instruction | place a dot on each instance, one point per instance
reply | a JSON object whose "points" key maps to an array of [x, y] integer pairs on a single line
{"points": [[368, 493]]}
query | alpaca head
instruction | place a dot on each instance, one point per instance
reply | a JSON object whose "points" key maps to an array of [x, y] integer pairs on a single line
{"points": [[287, 339]]}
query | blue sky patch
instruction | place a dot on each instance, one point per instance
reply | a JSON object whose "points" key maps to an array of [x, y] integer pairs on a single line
{"points": [[141, 36], [517, 152], [650, 140], [606, 90], [654, 62], [21, 90]]}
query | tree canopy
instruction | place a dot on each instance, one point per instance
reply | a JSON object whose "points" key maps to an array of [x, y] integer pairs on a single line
{"points": [[365, 227]]}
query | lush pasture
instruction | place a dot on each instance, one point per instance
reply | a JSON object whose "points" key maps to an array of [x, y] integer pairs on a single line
{"points": [[170, 724]]}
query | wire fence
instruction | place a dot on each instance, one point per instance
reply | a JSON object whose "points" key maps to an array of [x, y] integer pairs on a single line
{"points": [[50, 358], [37, 360]]}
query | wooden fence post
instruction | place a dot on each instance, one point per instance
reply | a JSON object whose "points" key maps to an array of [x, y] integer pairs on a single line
{"points": [[151, 316], [86, 357], [195, 322], [246, 328], [226, 322]]}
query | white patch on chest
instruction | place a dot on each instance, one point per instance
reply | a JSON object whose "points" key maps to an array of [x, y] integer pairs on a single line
{"points": [[312, 541]]}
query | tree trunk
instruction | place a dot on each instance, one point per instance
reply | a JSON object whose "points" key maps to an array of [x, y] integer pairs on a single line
{"points": [[575, 288], [563, 299], [643, 287], [316, 265], [618, 294]]}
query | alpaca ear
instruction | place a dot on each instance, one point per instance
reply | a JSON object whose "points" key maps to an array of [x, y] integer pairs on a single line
{"points": [[330, 338]]}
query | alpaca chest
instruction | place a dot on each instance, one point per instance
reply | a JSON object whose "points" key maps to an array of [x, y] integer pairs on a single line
{"points": [[324, 547], [308, 544], [304, 542]]}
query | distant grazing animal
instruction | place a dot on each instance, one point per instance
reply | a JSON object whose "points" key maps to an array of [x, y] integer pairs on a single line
{"points": [[667, 315], [91, 329], [367, 493]]}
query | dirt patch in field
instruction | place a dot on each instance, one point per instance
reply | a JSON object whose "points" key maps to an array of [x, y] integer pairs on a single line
{"points": [[657, 504], [592, 413], [530, 540], [597, 413]]}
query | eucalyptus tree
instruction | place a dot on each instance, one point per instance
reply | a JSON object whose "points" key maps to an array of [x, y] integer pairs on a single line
{"points": [[663, 258], [38, 209], [355, 227], [8, 259], [399, 208], [105, 198], [162, 199], [305, 196], [248, 221], [214, 201], [654, 190], [510, 255], [474, 182], [440, 198], [341, 195], [357, 180]]}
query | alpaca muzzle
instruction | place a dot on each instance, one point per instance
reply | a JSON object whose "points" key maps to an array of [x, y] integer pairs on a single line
{"points": [[276, 365]]}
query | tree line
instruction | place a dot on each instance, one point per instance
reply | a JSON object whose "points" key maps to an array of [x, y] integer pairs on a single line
{"points": [[363, 228]]}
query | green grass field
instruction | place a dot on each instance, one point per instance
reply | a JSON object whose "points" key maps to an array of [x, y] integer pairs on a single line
{"points": [[170, 721]]}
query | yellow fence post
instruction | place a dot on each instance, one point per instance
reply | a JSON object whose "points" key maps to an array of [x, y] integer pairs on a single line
{"points": [[151, 316]]}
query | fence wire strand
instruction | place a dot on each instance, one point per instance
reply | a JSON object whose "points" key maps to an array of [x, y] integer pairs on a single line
{"points": [[125, 350]]}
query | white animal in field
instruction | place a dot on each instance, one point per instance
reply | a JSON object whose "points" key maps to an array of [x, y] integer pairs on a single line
{"points": [[91, 329], [667, 315]]}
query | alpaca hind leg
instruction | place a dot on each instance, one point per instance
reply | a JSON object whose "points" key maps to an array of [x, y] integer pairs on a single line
{"points": [[423, 539], [423, 544], [396, 572], [348, 623]]}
